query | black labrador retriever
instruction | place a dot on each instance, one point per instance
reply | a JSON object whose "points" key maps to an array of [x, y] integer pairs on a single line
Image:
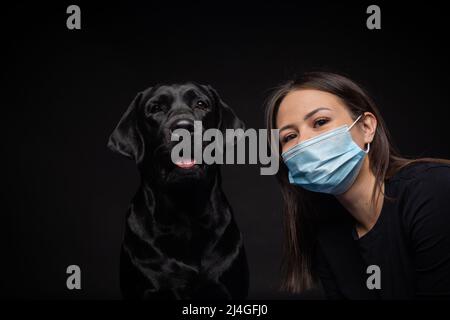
{"points": [[181, 240]]}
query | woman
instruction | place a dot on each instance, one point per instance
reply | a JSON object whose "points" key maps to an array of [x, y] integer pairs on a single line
{"points": [[359, 219]]}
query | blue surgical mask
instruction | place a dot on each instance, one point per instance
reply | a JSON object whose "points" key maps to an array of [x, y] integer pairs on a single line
{"points": [[327, 163]]}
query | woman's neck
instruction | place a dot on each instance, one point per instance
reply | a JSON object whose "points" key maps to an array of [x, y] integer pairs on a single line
{"points": [[357, 200]]}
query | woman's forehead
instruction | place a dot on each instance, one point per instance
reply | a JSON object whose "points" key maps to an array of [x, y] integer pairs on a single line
{"points": [[298, 103]]}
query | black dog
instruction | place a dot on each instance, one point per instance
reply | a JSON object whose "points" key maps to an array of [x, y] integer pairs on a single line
{"points": [[181, 240]]}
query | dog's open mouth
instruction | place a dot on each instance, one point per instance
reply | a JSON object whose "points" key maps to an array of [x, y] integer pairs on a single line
{"points": [[185, 163]]}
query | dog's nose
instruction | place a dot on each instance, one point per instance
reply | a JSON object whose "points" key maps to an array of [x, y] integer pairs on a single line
{"points": [[183, 124]]}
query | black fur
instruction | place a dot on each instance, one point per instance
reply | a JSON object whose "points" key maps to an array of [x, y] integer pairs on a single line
{"points": [[181, 240]]}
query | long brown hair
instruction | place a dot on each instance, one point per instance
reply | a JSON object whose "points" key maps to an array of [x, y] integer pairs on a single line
{"points": [[299, 215]]}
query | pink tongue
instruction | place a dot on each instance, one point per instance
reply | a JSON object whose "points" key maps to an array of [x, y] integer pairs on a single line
{"points": [[185, 163]]}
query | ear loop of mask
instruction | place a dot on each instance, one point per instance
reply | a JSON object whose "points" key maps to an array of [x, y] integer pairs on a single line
{"points": [[368, 144], [354, 122]]}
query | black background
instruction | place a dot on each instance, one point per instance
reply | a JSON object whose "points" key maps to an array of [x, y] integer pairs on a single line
{"points": [[65, 194]]}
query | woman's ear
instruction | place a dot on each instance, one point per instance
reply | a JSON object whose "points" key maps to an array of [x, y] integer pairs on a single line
{"points": [[127, 139], [370, 126]]}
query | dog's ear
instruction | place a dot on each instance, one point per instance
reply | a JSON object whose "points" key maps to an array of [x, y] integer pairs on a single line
{"points": [[127, 138], [227, 118]]}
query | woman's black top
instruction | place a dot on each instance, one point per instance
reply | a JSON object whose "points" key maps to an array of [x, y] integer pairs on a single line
{"points": [[409, 243]]}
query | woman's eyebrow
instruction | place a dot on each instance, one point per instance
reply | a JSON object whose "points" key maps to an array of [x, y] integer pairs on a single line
{"points": [[310, 114], [288, 126]]}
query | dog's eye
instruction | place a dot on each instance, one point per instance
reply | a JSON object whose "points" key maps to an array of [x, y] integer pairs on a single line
{"points": [[156, 107], [201, 104]]}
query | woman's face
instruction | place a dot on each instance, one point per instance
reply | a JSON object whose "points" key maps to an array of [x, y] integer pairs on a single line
{"points": [[306, 113]]}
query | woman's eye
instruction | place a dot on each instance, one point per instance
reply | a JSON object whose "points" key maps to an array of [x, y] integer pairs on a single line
{"points": [[201, 104], [320, 122], [288, 137]]}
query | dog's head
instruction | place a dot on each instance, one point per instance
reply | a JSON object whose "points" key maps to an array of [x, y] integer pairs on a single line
{"points": [[144, 131]]}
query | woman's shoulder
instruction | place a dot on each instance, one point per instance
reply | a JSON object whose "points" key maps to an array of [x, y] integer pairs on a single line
{"points": [[425, 216], [424, 192], [423, 171]]}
